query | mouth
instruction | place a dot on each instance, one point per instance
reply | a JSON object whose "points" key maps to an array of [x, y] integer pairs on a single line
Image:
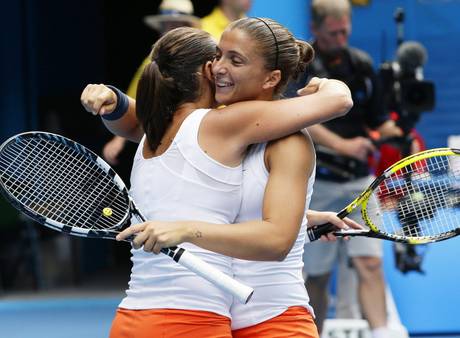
{"points": [[223, 82]]}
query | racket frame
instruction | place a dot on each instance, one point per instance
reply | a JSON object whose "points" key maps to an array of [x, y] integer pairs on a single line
{"points": [[59, 226], [362, 200], [240, 291]]}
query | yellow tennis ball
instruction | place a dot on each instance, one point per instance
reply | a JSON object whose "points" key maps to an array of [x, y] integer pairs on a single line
{"points": [[107, 212]]}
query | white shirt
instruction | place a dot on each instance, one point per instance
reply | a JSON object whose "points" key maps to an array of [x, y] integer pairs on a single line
{"points": [[183, 183], [277, 285]]}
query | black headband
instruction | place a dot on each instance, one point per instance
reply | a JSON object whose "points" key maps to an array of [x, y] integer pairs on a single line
{"points": [[274, 37]]}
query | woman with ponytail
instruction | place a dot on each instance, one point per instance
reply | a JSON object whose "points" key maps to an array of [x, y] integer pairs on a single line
{"points": [[189, 166]]}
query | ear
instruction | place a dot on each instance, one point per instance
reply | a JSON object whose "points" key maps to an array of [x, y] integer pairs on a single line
{"points": [[208, 71], [272, 79]]}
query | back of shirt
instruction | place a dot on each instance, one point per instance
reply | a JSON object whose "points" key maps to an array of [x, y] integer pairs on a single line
{"points": [[183, 183]]}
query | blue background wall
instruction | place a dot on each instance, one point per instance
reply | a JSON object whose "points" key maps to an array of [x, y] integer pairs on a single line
{"points": [[427, 303]]}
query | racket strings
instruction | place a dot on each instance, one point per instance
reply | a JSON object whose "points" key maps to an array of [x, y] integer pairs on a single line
{"points": [[60, 183], [50, 176], [420, 200], [18, 182], [62, 191], [98, 182]]}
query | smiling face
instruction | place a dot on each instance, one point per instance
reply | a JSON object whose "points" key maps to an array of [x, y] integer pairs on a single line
{"points": [[239, 71]]}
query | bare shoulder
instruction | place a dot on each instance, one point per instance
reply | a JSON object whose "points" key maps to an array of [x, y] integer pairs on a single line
{"points": [[294, 150], [239, 123], [299, 142], [222, 118]]}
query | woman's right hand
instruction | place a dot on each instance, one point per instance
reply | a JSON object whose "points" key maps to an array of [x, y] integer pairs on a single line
{"points": [[316, 84], [311, 87], [156, 235], [98, 99]]}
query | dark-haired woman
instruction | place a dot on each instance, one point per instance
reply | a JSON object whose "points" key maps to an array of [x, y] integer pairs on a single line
{"points": [[188, 166]]}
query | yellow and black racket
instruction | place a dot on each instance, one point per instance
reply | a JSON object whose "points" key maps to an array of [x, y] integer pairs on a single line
{"points": [[415, 201]]}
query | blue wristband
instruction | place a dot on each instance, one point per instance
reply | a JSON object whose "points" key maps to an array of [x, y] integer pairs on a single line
{"points": [[121, 108]]}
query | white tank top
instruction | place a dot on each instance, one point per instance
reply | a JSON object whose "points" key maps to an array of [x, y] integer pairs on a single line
{"points": [[277, 285], [183, 183]]}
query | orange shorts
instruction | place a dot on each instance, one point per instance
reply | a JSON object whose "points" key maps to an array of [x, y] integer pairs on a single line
{"points": [[295, 322], [169, 323]]}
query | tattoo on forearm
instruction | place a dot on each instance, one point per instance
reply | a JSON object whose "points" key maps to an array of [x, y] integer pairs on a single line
{"points": [[198, 234]]}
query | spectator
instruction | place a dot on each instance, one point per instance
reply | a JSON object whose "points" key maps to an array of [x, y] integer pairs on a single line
{"points": [[346, 172], [226, 12]]}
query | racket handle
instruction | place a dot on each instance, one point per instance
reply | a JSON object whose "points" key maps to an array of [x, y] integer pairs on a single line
{"points": [[240, 291], [314, 233]]}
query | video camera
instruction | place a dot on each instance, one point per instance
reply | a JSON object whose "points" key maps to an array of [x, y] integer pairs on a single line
{"points": [[405, 90]]}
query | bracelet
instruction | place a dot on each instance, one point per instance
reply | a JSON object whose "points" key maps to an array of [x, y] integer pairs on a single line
{"points": [[121, 107]]}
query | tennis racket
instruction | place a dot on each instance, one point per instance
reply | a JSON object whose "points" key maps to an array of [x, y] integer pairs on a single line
{"points": [[65, 186], [415, 201]]}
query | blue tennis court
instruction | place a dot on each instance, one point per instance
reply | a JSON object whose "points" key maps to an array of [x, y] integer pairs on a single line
{"points": [[88, 317], [57, 318]]}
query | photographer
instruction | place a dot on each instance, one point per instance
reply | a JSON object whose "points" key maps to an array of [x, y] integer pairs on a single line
{"points": [[343, 147]]}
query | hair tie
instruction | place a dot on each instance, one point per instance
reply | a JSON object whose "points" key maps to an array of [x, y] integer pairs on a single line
{"points": [[274, 37]]}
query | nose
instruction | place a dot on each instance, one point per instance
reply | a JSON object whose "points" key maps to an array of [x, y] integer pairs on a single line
{"points": [[218, 67]]}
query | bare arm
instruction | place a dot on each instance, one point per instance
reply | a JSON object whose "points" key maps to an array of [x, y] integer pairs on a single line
{"points": [[243, 123], [270, 239], [101, 100], [249, 122], [290, 162], [112, 149], [324, 136], [357, 147]]}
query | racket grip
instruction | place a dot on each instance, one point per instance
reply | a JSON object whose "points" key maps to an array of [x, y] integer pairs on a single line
{"points": [[314, 233], [240, 291]]}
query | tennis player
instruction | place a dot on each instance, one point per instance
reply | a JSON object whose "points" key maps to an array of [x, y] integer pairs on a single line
{"points": [[278, 179], [191, 171]]}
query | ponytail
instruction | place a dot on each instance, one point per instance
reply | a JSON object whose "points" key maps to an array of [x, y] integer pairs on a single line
{"points": [[171, 79], [155, 97]]}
